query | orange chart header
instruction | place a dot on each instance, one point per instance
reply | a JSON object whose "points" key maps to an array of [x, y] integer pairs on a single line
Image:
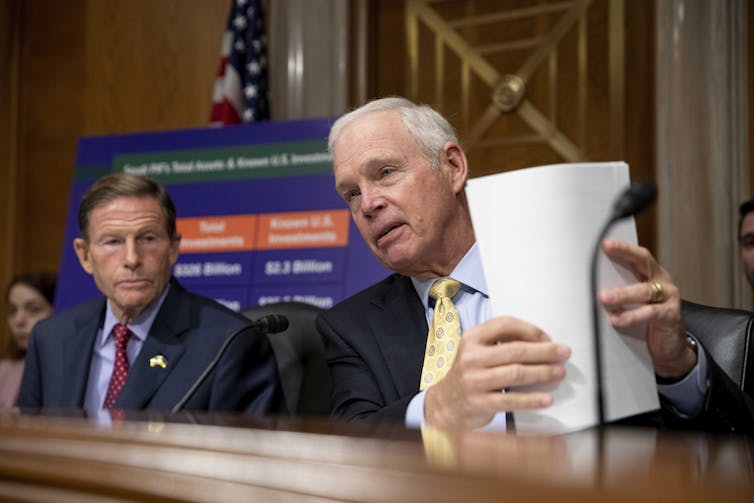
{"points": [[217, 234], [310, 229]]}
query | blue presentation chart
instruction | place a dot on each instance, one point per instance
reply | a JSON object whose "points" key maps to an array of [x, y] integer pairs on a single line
{"points": [[257, 210]]}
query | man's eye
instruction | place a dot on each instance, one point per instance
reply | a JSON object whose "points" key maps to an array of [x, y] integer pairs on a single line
{"points": [[387, 171], [351, 195]]}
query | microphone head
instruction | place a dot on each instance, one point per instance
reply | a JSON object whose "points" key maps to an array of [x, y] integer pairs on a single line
{"points": [[634, 199], [272, 323]]}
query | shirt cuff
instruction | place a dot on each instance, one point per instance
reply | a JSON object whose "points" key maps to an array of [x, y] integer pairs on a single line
{"points": [[415, 415], [686, 397], [415, 410]]}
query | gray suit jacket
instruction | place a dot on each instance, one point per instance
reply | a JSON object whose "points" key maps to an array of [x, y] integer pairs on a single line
{"points": [[187, 331]]}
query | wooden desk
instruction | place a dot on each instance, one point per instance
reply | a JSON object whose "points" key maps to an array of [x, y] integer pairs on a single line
{"points": [[232, 458]]}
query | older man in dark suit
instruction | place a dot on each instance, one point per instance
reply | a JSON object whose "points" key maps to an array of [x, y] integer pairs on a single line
{"points": [[147, 340], [402, 172]]}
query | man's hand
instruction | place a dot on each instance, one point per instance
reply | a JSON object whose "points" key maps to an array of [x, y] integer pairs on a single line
{"points": [[502, 353], [653, 302]]}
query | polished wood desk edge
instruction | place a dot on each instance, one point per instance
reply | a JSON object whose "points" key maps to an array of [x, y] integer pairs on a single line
{"points": [[151, 459]]}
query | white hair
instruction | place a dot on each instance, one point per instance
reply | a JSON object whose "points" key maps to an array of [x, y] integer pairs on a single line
{"points": [[429, 129]]}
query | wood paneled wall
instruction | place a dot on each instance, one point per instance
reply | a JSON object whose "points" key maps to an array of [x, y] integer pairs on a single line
{"points": [[89, 67], [8, 132], [392, 78], [92, 67]]}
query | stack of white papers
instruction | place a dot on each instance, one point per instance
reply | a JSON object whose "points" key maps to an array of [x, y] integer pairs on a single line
{"points": [[536, 229]]}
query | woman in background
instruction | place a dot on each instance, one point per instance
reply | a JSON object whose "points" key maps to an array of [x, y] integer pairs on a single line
{"points": [[29, 299]]}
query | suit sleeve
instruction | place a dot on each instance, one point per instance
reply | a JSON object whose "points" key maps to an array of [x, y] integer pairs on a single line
{"points": [[30, 392], [247, 378], [727, 408], [355, 392]]}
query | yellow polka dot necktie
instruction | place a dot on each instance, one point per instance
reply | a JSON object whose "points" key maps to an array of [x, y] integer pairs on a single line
{"points": [[444, 333]]}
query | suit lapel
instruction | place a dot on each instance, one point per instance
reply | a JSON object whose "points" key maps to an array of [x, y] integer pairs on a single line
{"points": [[401, 334], [76, 349], [146, 375]]}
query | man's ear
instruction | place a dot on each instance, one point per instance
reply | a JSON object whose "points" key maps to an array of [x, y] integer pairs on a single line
{"points": [[81, 247], [175, 246], [455, 158]]}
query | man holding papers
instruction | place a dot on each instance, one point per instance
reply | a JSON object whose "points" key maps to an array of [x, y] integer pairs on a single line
{"points": [[402, 172]]}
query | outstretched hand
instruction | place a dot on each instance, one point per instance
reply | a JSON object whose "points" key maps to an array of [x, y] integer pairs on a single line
{"points": [[654, 302]]}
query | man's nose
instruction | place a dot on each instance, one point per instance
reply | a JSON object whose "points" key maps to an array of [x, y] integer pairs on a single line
{"points": [[372, 201], [132, 254]]}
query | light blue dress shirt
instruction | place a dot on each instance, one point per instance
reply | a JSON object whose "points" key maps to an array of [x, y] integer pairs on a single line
{"points": [[103, 357], [473, 305]]}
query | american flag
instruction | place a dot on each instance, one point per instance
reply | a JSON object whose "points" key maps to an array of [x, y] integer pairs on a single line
{"points": [[240, 93]]}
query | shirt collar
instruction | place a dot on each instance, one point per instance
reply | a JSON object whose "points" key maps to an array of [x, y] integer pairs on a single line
{"points": [[140, 326], [468, 271]]}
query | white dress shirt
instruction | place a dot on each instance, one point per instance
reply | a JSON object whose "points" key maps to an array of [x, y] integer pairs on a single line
{"points": [[103, 357], [473, 305]]}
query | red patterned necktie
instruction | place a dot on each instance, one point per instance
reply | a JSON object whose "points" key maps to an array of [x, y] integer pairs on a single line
{"points": [[120, 367]]}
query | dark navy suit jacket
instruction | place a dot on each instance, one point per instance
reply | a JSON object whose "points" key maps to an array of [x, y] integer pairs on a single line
{"points": [[187, 331], [375, 340]]}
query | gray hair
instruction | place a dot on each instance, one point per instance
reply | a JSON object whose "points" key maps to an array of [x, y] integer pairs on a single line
{"points": [[111, 187], [429, 129]]}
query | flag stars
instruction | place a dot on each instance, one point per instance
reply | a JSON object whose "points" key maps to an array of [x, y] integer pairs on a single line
{"points": [[245, 62], [239, 22]]}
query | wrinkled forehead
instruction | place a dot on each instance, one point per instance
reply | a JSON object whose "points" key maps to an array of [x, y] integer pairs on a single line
{"points": [[127, 210], [383, 139]]}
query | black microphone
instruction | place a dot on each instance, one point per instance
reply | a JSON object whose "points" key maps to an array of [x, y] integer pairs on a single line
{"points": [[630, 202], [635, 198], [270, 324]]}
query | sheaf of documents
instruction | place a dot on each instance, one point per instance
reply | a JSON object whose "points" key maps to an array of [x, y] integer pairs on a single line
{"points": [[536, 229]]}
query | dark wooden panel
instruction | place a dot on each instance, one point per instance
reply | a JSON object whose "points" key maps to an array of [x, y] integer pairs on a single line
{"points": [[151, 65], [639, 106], [51, 120], [9, 11], [391, 53], [96, 69]]}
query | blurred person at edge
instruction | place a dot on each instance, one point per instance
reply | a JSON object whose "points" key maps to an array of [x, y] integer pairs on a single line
{"points": [[746, 238], [28, 300]]}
